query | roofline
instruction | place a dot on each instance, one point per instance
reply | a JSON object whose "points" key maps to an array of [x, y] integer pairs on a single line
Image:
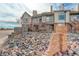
{"points": [[52, 13], [44, 14], [61, 10], [23, 14], [74, 12]]}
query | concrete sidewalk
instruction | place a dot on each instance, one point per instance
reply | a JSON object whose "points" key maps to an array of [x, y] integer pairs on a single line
{"points": [[4, 35]]}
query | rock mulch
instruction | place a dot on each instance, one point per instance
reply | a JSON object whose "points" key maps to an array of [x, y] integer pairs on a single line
{"points": [[35, 44], [30, 44]]}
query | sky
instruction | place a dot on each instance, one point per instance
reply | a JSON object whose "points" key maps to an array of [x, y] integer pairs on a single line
{"points": [[11, 12]]}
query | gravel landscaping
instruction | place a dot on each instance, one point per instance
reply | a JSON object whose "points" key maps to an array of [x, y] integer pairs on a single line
{"points": [[35, 44]]}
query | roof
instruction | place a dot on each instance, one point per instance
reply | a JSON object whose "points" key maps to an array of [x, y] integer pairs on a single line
{"points": [[24, 14], [44, 14], [61, 10], [74, 13], [52, 13]]}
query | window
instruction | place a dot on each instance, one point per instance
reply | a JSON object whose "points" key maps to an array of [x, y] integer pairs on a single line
{"points": [[62, 16], [40, 20], [49, 18], [77, 16], [26, 19]]}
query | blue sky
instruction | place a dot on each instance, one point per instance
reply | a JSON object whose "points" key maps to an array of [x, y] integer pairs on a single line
{"points": [[11, 11]]}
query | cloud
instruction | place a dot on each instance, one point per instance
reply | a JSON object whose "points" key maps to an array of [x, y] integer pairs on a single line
{"points": [[70, 6], [12, 11], [44, 7]]}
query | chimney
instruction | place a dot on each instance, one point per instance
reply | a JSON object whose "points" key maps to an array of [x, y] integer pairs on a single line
{"points": [[62, 6], [51, 8], [34, 12]]}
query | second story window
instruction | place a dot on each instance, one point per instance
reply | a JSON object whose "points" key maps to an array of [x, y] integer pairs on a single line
{"points": [[40, 20], [49, 18], [26, 20], [62, 16], [77, 16]]}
